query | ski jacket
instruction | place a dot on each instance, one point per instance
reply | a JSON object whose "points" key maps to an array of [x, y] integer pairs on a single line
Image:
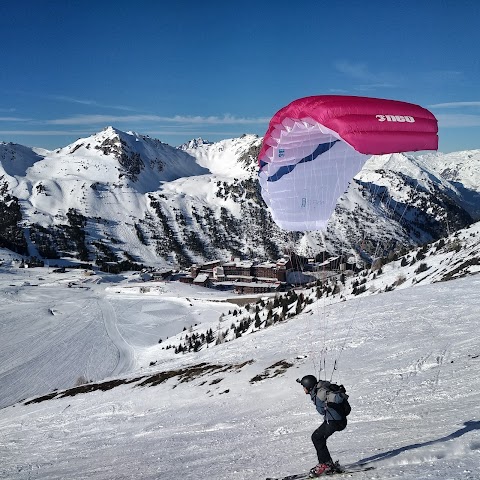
{"points": [[321, 404]]}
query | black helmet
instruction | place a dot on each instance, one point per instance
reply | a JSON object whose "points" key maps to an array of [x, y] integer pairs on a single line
{"points": [[308, 381]]}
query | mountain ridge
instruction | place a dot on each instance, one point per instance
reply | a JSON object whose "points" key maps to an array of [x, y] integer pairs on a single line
{"points": [[136, 198]]}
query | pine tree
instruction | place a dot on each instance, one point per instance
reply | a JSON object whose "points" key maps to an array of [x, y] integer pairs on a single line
{"points": [[209, 337]]}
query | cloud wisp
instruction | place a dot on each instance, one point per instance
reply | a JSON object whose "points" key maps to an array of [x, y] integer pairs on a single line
{"points": [[368, 79], [456, 104], [177, 125], [457, 120], [43, 133], [14, 119], [176, 119], [91, 103]]}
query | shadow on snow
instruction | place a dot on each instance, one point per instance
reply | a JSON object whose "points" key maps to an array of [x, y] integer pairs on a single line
{"points": [[468, 426]]}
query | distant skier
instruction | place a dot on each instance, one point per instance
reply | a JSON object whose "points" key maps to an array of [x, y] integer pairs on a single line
{"points": [[331, 402]]}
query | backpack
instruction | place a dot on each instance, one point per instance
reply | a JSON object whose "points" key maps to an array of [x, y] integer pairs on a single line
{"points": [[334, 396]]}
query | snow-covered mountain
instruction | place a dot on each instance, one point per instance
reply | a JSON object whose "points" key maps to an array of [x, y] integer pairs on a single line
{"points": [[127, 196], [399, 200], [117, 196], [462, 169]]}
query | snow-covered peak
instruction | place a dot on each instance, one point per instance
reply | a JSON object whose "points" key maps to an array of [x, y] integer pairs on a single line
{"points": [[231, 158], [139, 158], [415, 167], [95, 141], [194, 143], [463, 167]]}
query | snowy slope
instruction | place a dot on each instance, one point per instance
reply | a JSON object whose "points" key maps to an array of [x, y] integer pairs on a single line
{"points": [[397, 200], [462, 169], [16, 159], [402, 394], [409, 358]]}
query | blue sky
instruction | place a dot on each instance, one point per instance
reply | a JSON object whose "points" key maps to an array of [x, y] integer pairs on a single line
{"points": [[218, 69]]}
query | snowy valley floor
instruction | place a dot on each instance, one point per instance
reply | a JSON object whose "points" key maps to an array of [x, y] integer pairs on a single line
{"points": [[410, 362]]}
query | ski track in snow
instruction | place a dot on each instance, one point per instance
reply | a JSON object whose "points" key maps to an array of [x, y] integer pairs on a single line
{"points": [[126, 354]]}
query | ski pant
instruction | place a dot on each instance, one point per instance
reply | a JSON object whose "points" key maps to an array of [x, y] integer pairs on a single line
{"points": [[320, 435]]}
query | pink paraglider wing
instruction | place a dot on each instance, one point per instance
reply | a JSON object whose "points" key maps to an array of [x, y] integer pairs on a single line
{"points": [[315, 145]]}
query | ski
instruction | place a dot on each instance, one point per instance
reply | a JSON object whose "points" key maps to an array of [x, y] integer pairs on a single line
{"points": [[349, 469]]}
